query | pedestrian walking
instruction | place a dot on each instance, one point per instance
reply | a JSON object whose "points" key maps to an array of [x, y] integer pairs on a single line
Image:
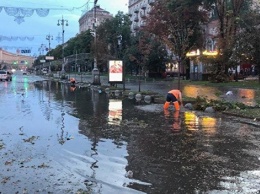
{"points": [[175, 97]]}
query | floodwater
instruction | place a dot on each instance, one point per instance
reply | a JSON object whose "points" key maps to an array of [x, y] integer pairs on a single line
{"points": [[246, 96], [58, 139]]}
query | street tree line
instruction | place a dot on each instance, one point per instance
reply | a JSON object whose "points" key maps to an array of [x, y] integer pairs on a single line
{"points": [[177, 26]]}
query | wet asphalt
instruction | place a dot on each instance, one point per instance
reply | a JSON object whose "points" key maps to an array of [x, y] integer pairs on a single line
{"points": [[58, 139]]}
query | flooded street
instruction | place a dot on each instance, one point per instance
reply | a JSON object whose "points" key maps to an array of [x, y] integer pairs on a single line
{"points": [[58, 139]]}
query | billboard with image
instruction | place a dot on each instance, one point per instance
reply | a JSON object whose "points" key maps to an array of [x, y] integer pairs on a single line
{"points": [[115, 68]]}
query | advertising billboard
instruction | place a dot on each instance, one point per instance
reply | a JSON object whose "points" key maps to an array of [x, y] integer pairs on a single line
{"points": [[115, 68]]}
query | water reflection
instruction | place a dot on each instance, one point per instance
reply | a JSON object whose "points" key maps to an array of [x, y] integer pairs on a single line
{"points": [[175, 119], [204, 123], [115, 111], [193, 91], [205, 152], [247, 96]]}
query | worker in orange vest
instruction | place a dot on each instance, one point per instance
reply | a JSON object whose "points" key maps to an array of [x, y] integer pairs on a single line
{"points": [[72, 81], [175, 97]]}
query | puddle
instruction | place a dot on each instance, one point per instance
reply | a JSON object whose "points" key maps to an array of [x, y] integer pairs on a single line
{"points": [[54, 139]]}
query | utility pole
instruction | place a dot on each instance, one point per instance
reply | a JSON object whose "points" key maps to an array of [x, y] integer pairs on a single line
{"points": [[49, 38], [95, 71], [63, 22]]}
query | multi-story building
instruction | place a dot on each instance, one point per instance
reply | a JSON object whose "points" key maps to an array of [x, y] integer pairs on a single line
{"points": [[86, 21], [11, 60], [138, 10]]}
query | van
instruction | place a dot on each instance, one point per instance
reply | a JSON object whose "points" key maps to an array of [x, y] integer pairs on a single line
{"points": [[5, 75]]}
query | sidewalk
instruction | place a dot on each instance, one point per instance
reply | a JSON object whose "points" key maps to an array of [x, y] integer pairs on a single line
{"points": [[160, 87]]}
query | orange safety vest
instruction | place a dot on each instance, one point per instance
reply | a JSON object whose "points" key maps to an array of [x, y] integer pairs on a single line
{"points": [[176, 93]]}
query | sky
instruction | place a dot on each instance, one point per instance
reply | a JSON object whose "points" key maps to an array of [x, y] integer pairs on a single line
{"points": [[38, 28]]}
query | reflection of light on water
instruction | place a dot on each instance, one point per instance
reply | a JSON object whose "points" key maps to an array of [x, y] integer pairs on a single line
{"points": [[209, 124], [194, 91], [246, 93], [115, 111], [25, 83], [248, 96], [246, 182], [191, 121]]}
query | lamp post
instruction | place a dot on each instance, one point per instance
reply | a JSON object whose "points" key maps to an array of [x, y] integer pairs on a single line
{"points": [[119, 42], [49, 38], [95, 71], [42, 49], [63, 22]]}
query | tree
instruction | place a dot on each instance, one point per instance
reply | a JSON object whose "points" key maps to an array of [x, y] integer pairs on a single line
{"points": [[113, 36], [247, 45], [177, 23], [228, 12]]}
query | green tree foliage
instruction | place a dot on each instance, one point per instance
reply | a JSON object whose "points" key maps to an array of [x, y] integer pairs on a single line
{"points": [[247, 47], [79, 44], [230, 15], [145, 54], [178, 24], [113, 36]]}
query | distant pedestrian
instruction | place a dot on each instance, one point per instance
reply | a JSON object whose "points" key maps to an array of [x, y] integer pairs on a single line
{"points": [[175, 97]]}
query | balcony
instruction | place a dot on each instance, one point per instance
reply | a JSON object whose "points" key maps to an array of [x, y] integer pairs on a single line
{"points": [[151, 2], [136, 19], [136, 10], [136, 27], [143, 24], [142, 15], [143, 6]]}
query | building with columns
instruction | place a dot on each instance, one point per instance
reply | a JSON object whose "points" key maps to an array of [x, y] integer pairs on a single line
{"points": [[10, 60]]}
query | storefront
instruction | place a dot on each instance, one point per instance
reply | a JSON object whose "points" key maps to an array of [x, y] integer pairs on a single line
{"points": [[198, 70]]}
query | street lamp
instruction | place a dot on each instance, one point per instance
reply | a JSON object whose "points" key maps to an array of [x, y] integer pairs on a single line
{"points": [[42, 49], [119, 42], [63, 22], [95, 71], [49, 38]]}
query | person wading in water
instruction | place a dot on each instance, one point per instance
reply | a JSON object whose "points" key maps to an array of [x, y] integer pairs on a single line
{"points": [[175, 97]]}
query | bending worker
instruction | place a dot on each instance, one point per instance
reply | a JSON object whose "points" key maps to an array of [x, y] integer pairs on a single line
{"points": [[175, 97]]}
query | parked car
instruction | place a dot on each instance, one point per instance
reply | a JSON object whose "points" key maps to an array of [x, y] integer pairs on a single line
{"points": [[5, 75], [44, 71]]}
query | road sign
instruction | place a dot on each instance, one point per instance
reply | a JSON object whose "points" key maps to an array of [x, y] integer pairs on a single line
{"points": [[49, 57], [26, 51]]}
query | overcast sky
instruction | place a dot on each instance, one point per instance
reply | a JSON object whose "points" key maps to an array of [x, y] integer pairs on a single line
{"points": [[39, 27]]}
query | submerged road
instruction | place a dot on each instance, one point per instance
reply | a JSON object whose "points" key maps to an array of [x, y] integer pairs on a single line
{"points": [[57, 140]]}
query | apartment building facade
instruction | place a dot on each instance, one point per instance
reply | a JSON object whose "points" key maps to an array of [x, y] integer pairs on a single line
{"points": [[138, 11], [86, 21]]}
